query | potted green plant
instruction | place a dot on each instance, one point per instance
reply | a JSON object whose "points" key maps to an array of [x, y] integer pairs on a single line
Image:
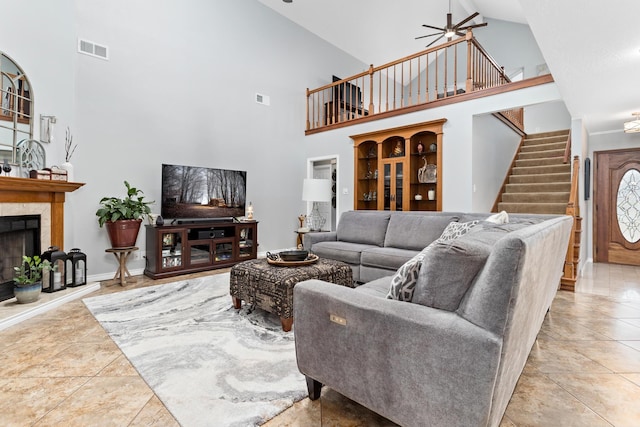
{"points": [[122, 216], [28, 278]]}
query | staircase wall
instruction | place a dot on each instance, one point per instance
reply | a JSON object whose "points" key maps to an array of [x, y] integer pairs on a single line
{"points": [[494, 146]]}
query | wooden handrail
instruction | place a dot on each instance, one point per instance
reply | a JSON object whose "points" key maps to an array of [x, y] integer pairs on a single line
{"points": [[433, 74], [567, 281], [567, 150]]}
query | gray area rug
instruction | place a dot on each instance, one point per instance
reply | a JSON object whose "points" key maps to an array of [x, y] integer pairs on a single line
{"points": [[209, 364]]}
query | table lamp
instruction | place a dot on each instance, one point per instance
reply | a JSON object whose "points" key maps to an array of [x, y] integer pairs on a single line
{"points": [[316, 190]]}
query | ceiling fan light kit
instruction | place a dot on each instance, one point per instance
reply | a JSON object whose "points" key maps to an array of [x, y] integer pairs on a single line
{"points": [[634, 125], [451, 30]]}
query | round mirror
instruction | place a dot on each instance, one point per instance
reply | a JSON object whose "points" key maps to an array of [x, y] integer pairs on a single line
{"points": [[16, 120]]}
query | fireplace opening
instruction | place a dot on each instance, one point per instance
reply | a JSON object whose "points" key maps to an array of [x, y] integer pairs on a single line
{"points": [[19, 235]]}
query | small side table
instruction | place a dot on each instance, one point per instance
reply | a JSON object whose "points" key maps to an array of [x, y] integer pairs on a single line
{"points": [[300, 240], [122, 254]]}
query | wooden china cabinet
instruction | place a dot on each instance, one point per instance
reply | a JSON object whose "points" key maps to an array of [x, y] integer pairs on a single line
{"points": [[391, 168]]}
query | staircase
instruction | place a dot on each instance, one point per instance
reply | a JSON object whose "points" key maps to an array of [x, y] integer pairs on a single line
{"points": [[540, 182]]}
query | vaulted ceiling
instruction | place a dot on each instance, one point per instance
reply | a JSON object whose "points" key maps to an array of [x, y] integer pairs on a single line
{"points": [[592, 47]]}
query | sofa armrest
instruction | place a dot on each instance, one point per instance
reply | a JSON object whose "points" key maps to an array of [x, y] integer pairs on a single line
{"points": [[408, 362], [324, 236]]}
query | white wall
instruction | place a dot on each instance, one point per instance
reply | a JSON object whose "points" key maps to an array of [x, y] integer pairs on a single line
{"points": [[178, 88], [512, 45], [494, 146], [546, 117]]}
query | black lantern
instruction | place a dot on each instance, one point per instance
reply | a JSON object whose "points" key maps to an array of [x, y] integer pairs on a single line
{"points": [[56, 279], [76, 268]]}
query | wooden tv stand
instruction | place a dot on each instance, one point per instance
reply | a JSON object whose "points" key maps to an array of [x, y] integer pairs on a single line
{"points": [[192, 247]]}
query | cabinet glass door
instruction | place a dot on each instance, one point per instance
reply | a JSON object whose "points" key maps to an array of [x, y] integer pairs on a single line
{"points": [[171, 250], [398, 191], [246, 242], [223, 251], [393, 174], [200, 253]]}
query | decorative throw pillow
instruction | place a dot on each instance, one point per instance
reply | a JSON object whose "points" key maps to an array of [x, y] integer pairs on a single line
{"points": [[456, 229], [404, 280], [499, 218]]}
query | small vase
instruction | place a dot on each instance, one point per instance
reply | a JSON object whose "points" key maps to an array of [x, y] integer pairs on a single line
{"points": [[431, 194], [69, 168], [28, 293]]}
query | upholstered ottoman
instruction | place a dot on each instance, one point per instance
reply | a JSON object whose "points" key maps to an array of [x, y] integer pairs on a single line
{"points": [[270, 287]]}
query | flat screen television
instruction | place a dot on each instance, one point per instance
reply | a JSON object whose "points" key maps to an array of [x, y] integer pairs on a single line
{"points": [[191, 192]]}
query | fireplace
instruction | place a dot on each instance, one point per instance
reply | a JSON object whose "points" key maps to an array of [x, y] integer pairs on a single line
{"points": [[19, 235], [28, 199]]}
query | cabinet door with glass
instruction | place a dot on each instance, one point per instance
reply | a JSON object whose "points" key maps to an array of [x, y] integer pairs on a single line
{"points": [[247, 244], [200, 252], [171, 249], [393, 185]]}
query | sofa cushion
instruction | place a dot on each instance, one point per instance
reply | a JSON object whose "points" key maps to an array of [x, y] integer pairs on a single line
{"points": [[363, 227], [414, 231], [340, 251], [448, 270], [404, 281], [378, 287], [388, 258]]}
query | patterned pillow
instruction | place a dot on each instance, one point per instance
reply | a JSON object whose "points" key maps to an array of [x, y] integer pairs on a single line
{"points": [[456, 229], [404, 280]]}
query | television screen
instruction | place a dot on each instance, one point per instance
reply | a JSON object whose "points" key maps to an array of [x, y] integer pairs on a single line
{"points": [[190, 192]]}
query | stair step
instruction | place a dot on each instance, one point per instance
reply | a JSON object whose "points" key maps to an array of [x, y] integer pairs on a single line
{"points": [[538, 188], [564, 132], [540, 162], [544, 147], [559, 197], [546, 140], [534, 208], [540, 154], [535, 179], [546, 169]]}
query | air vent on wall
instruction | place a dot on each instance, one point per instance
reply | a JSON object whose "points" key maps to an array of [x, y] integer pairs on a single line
{"points": [[93, 49]]}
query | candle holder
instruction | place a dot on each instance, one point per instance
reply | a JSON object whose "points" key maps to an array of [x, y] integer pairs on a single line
{"points": [[56, 279]]}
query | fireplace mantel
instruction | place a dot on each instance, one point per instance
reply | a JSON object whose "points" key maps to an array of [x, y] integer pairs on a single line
{"points": [[26, 190]]}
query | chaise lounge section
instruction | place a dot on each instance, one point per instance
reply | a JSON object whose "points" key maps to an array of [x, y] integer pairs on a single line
{"points": [[452, 355]]}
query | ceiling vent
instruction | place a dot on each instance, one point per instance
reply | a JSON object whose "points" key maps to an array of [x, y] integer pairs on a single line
{"points": [[93, 49]]}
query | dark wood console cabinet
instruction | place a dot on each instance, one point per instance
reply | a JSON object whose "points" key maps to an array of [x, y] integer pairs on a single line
{"points": [[188, 248]]}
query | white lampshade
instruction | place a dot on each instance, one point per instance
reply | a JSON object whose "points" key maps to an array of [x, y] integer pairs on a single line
{"points": [[316, 190], [634, 125]]}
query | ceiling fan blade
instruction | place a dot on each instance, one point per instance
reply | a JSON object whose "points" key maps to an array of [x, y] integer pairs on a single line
{"points": [[428, 35], [484, 24], [467, 19], [458, 33], [435, 41], [432, 27]]}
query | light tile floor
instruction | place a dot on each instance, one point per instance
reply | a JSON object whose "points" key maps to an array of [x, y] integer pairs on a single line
{"points": [[61, 368]]}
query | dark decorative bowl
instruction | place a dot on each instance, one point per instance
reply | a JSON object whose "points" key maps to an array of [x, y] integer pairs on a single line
{"points": [[293, 255]]}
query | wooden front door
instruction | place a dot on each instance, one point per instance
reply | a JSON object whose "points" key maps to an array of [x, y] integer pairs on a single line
{"points": [[617, 206]]}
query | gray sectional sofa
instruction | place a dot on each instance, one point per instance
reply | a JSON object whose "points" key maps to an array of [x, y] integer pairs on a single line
{"points": [[376, 243], [442, 358]]}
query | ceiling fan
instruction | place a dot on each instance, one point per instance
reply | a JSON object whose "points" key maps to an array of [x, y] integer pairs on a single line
{"points": [[451, 30]]}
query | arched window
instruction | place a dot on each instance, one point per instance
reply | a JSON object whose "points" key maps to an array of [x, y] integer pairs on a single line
{"points": [[16, 110]]}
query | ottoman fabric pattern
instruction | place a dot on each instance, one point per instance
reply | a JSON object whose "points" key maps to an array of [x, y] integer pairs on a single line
{"points": [[270, 288]]}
